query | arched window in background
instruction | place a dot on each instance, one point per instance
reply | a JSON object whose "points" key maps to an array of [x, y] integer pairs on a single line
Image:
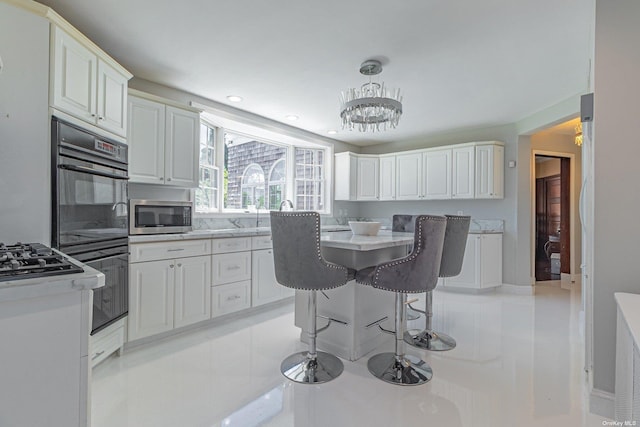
{"points": [[277, 179], [253, 187]]}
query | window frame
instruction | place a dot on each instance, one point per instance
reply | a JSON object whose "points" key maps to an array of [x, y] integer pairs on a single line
{"points": [[290, 144]]}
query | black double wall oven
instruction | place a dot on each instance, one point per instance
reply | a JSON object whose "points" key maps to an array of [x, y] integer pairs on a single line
{"points": [[90, 212]]}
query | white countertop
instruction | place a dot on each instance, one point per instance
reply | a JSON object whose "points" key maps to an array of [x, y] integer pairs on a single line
{"points": [[629, 305], [202, 234], [347, 240], [12, 290]]}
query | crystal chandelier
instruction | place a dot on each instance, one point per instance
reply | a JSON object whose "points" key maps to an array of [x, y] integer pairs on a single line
{"points": [[373, 107]]}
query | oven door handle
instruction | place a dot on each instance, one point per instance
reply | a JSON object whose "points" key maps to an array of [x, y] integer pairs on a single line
{"points": [[84, 169]]}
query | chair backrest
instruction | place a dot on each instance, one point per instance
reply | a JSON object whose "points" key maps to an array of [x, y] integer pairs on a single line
{"points": [[405, 223], [455, 242], [296, 253], [418, 271]]}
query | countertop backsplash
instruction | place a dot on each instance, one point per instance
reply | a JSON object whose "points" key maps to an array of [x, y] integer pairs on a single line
{"points": [[262, 220]]}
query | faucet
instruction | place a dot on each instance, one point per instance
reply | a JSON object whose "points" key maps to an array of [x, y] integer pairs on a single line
{"points": [[288, 204]]}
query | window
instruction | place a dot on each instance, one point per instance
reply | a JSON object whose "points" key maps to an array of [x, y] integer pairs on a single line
{"points": [[207, 192], [252, 188], [277, 184], [246, 159], [309, 179], [244, 173]]}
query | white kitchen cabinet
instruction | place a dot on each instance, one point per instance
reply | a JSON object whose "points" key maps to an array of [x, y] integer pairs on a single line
{"points": [[489, 171], [264, 286], [388, 177], [192, 290], [356, 177], [169, 285], [151, 296], [107, 341], [86, 86], [463, 173], [409, 176], [231, 267], [230, 298], [164, 142], [436, 174], [482, 264]]}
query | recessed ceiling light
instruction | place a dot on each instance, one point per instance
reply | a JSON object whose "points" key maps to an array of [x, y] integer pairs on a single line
{"points": [[292, 117], [234, 98], [332, 132]]}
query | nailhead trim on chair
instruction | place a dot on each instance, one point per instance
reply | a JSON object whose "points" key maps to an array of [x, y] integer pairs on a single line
{"points": [[414, 253], [318, 251]]}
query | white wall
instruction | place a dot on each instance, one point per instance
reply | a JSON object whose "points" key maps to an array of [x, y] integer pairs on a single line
{"points": [[25, 189], [616, 196]]}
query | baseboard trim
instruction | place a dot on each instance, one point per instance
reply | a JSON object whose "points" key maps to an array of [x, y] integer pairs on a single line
{"points": [[602, 403], [507, 288]]}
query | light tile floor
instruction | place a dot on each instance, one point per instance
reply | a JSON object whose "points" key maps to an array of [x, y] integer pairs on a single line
{"points": [[519, 362]]}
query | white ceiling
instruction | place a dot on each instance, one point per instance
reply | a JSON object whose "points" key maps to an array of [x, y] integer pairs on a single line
{"points": [[459, 64]]}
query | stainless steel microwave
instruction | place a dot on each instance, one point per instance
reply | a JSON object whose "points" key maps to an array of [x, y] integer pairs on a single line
{"points": [[156, 217]]}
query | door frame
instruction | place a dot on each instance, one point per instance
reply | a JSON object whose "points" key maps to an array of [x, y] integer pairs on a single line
{"points": [[574, 272]]}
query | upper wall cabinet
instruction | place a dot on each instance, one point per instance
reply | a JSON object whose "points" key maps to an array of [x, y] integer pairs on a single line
{"points": [[472, 170], [489, 171], [463, 173], [356, 176], [88, 85], [163, 142]]}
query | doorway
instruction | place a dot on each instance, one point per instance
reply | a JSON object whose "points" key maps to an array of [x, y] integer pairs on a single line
{"points": [[552, 217]]}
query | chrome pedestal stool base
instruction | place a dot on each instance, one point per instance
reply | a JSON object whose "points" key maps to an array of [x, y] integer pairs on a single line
{"points": [[399, 371], [299, 367], [429, 340]]}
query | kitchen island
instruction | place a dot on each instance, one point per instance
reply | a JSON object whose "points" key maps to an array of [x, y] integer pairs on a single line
{"points": [[361, 307]]}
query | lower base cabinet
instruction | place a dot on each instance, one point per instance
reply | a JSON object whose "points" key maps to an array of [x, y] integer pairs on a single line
{"points": [[264, 286], [168, 294], [230, 297], [482, 264]]}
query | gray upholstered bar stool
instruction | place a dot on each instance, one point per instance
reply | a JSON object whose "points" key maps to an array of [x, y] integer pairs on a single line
{"points": [[414, 273], [299, 265], [455, 242], [406, 224]]}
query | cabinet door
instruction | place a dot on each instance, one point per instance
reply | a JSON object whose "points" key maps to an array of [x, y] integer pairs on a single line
{"points": [[367, 178], [74, 77], [409, 176], [490, 260], [146, 140], [489, 172], [182, 144], [232, 267], [192, 290], [264, 287], [151, 293], [231, 297], [464, 177], [112, 99], [470, 273], [437, 174], [387, 178]]}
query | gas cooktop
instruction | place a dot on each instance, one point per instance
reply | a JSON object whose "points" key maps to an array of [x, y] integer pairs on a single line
{"points": [[29, 260]]}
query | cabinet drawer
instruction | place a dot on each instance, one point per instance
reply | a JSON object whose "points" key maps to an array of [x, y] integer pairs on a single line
{"points": [[229, 298], [234, 267], [169, 250], [103, 345], [261, 242], [234, 244]]}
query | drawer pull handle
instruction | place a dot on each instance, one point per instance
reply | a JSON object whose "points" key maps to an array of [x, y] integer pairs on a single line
{"points": [[98, 354], [233, 267], [175, 250], [234, 297]]}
